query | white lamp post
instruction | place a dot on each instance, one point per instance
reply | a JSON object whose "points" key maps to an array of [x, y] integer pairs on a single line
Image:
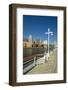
{"points": [[48, 33]]}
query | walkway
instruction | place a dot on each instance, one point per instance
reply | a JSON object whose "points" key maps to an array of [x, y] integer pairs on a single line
{"points": [[49, 67]]}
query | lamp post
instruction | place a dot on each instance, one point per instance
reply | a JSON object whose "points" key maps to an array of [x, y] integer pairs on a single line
{"points": [[48, 33]]}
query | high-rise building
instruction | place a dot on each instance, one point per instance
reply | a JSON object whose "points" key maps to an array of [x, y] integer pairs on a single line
{"points": [[30, 40]]}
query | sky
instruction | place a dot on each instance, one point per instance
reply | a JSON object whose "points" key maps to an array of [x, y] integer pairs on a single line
{"points": [[38, 25]]}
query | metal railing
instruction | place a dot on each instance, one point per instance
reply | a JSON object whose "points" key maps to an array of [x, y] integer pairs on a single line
{"points": [[30, 63]]}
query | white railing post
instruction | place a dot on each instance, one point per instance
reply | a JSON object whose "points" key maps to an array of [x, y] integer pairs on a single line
{"points": [[34, 61]]}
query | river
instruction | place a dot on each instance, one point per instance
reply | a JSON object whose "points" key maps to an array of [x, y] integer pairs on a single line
{"points": [[32, 51]]}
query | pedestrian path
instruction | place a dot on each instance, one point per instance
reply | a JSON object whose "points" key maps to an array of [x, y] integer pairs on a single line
{"points": [[48, 67]]}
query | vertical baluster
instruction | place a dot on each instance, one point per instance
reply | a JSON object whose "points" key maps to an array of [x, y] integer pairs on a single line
{"points": [[34, 61]]}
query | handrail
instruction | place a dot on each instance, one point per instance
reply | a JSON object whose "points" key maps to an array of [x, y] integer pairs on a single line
{"points": [[27, 61], [32, 57]]}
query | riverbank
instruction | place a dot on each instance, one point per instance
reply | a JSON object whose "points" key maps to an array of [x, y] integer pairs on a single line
{"points": [[48, 67]]}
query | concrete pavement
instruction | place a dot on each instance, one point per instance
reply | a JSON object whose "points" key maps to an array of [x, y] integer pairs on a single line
{"points": [[48, 67]]}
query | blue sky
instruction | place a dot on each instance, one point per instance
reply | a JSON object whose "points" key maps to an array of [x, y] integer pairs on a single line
{"points": [[38, 25]]}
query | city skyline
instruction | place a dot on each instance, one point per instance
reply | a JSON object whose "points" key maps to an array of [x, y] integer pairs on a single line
{"points": [[38, 25]]}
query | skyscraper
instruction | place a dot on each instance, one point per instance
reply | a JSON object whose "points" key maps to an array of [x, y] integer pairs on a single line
{"points": [[30, 40]]}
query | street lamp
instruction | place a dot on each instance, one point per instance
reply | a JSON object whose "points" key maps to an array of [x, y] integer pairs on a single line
{"points": [[48, 33]]}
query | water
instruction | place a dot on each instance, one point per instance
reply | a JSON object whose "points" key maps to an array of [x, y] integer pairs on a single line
{"points": [[32, 51], [29, 52]]}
